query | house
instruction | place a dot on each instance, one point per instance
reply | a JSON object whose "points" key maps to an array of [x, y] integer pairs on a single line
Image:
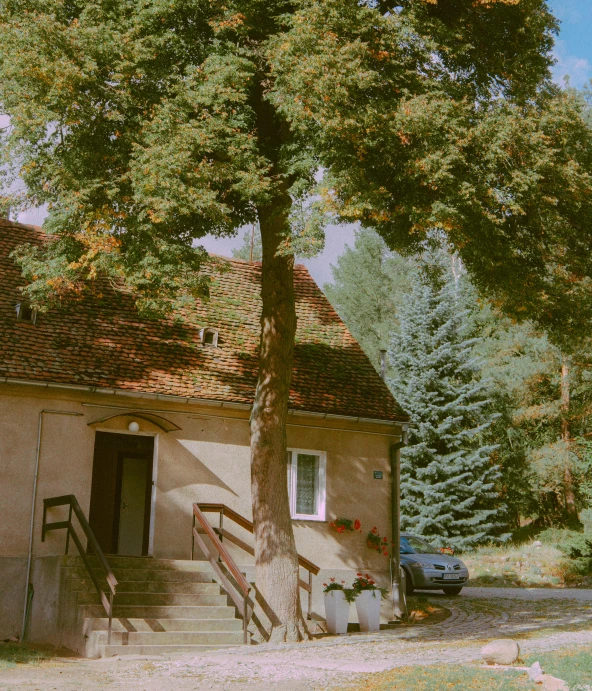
{"points": [[141, 419]]}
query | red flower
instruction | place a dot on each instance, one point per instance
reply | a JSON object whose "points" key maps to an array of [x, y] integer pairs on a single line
{"points": [[374, 530], [357, 524]]}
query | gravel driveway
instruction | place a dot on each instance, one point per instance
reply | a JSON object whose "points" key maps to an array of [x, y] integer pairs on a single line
{"points": [[542, 620]]}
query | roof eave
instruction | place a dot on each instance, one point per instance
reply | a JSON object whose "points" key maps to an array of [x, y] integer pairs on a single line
{"points": [[145, 395]]}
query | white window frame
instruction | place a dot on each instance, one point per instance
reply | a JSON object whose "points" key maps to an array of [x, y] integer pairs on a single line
{"points": [[321, 489]]}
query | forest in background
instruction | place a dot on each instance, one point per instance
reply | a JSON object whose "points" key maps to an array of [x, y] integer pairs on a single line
{"points": [[532, 402]]}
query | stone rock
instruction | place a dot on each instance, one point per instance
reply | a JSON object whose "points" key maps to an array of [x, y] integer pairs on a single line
{"points": [[504, 651], [535, 673], [553, 684], [537, 543]]}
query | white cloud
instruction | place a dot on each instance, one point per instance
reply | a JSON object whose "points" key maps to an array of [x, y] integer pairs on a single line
{"points": [[578, 69]]}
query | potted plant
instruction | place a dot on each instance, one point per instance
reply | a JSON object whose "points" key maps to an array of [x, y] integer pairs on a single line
{"points": [[337, 601], [368, 597]]}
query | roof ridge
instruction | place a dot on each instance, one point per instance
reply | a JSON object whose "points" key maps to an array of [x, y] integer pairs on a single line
{"points": [[8, 223]]}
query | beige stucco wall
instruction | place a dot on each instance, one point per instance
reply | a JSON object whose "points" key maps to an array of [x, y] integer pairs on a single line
{"points": [[206, 460]]}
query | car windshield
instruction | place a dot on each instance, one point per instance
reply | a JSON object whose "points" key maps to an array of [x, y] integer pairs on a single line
{"points": [[415, 545]]}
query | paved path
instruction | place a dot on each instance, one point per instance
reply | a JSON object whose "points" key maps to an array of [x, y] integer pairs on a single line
{"points": [[580, 594], [541, 619]]}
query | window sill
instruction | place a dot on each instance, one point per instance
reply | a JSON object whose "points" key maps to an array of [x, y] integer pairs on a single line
{"points": [[301, 517]]}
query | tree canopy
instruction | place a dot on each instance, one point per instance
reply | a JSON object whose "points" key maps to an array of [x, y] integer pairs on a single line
{"points": [[146, 124]]}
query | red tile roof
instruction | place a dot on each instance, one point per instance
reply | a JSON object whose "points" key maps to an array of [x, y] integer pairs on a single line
{"points": [[102, 342]]}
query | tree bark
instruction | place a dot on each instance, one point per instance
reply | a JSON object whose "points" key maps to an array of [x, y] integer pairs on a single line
{"points": [[276, 558], [571, 510]]}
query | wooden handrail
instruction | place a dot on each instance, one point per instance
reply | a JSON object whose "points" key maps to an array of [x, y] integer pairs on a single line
{"points": [[222, 551], [248, 525], [71, 501], [243, 604], [221, 533]]}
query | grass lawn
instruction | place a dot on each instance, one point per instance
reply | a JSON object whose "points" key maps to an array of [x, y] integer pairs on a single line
{"points": [[573, 666], [523, 565], [12, 654], [549, 563]]}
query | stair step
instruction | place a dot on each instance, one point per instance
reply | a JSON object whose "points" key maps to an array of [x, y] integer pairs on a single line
{"points": [[110, 650], [173, 638], [210, 597], [162, 611], [188, 587], [117, 562], [155, 576], [161, 625]]}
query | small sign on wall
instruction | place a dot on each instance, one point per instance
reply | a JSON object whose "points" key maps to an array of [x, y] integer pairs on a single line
{"points": [[378, 474]]}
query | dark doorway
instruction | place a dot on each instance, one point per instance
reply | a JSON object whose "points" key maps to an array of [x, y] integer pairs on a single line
{"points": [[121, 493]]}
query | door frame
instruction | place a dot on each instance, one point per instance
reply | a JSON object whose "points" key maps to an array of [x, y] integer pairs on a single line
{"points": [[155, 435]]}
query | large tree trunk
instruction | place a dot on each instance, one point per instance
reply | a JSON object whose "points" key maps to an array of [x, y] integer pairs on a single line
{"points": [[571, 510], [276, 558]]}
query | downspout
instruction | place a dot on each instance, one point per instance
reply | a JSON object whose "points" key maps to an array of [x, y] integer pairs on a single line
{"points": [[397, 583], [29, 599]]}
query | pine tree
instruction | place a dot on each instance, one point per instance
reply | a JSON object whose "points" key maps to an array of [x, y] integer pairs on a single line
{"points": [[369, 282], [251, 250], [448, 481]]}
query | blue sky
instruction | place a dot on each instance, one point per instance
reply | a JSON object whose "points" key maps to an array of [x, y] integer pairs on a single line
{"points": [[573, 50]]}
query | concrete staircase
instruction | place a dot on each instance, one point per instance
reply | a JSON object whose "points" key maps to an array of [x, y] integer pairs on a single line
{"points": [[161, 606]]}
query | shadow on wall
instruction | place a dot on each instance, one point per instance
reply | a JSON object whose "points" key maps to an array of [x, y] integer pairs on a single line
{"points": [[352, 493], [187, 470]]}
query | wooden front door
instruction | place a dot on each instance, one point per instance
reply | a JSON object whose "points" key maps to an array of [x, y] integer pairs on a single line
{"points": [[121, 493]]}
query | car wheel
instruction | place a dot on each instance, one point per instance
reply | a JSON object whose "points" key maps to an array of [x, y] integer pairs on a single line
{"points": [[454, 590], [408, 583]]}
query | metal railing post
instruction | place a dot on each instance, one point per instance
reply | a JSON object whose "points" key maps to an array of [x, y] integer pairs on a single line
{"points": [[245, 622], [221, 528], [69, 528], [310, 595], [193, 539], [110, 618]]}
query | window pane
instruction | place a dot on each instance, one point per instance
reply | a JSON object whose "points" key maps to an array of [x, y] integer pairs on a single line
{"points": [[306, 484]]}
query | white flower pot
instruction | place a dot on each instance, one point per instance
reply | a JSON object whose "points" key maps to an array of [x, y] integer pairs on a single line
{"points": [[336, 611], [368, 607]]}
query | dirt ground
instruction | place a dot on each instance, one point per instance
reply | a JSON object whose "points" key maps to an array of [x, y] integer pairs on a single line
{"points": [[539, 620]]}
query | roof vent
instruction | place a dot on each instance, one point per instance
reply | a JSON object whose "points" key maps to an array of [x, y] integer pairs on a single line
{"points": [[209, 337], [26, 313]]}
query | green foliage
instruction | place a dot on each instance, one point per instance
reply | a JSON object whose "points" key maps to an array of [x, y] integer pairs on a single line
{"points": [[169, 120], [575, 545], [448, 480], [369, 283], [418, 129], [143, 128], [251, 249]]}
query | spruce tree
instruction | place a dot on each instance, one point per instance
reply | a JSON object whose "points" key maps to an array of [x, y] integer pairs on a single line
{"points": [[448, 481]]}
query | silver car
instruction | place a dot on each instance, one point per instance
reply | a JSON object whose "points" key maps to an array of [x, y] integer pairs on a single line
{"points": [[426, 568]]}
